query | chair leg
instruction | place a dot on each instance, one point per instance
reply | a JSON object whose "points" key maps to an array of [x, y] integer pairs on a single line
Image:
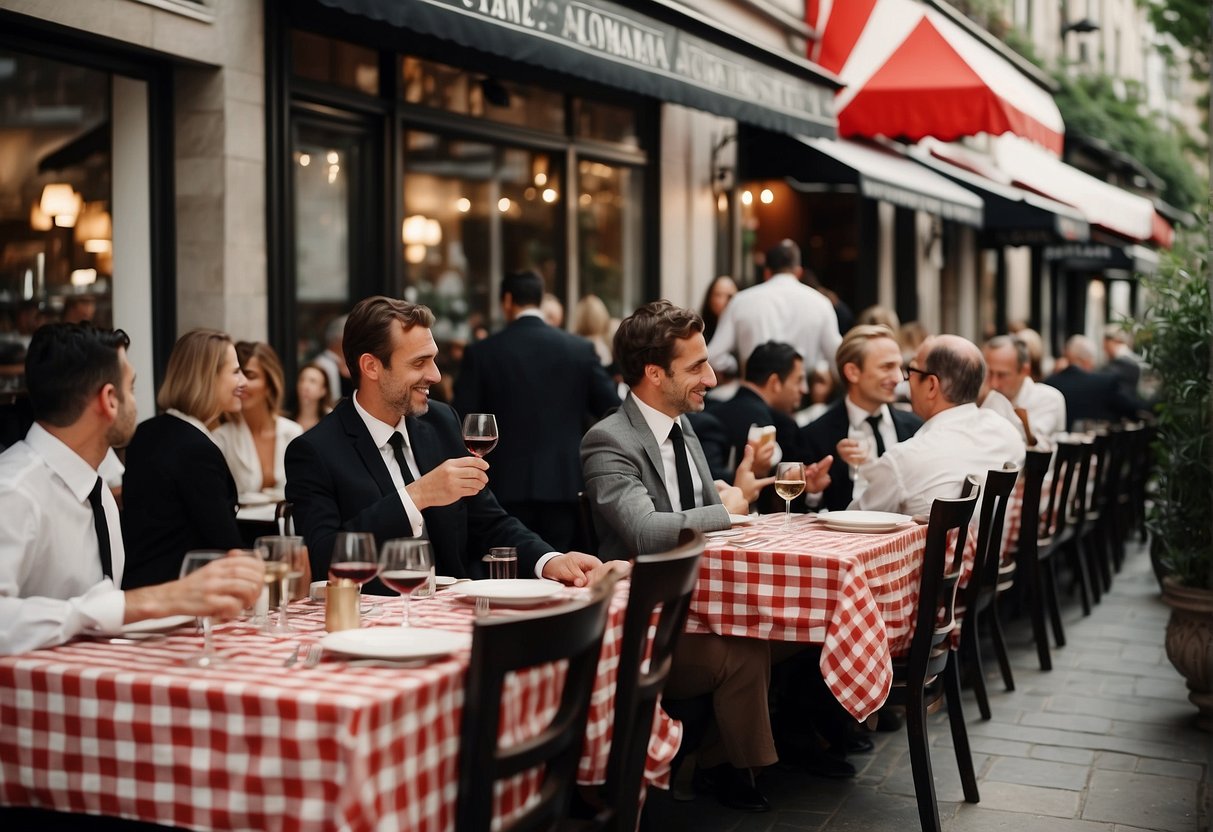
{"points": [[970, 640], [1086, 551], [1050, 581], [920, 763], [1000, 645], [960, 736], [1079, 565], [1103, 551]]}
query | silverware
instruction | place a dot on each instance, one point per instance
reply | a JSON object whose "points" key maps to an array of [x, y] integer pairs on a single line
{"points": [[482, 607], [292, 658], [312, 658], [387, 663]]}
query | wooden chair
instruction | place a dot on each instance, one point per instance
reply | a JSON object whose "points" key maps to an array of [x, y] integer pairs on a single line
{"points": [[929, 673], [284, 517], [585, 516], [988, 579], [1057, 530], [1037, 576], [504, 645], [1096, 540], [664, 580], [1075, 510]]}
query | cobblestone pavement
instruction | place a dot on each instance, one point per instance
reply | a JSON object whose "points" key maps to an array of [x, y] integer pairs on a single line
{"points": [[1106, 742]]}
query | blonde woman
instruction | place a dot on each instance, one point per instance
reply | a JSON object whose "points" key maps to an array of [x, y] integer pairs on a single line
{"points": [[254, 440], [178, 493], [592, 321]]}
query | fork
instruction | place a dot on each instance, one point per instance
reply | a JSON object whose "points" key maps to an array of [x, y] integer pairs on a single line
{"points": [[313, 655], [292, 658]]}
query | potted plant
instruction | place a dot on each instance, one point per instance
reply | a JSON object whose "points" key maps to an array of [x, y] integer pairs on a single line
{"points": [[1175, 339]]}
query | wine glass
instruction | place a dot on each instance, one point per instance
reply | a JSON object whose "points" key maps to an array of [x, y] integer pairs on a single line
{"points": [[789, 484], [193, 561], [285, 559], [480, 433], [404, 565], [355, 559]]}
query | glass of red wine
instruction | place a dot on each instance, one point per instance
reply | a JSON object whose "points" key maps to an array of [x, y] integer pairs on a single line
{"points": [[354, 558], [404, 565], [480, 433]]}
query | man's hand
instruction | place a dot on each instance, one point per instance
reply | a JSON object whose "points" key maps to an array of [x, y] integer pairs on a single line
{"points": [[574, 569], [222, 589], [746, 482], [817, 475], [734, 498], [462, 476], [852, 451], [763, 454]]}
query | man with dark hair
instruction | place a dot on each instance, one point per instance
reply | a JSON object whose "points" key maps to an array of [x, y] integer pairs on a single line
{"points": [[957, 438], [61, 552], [542, 384], [863, 423], [779, 309], [391, 462], [770, 392]]}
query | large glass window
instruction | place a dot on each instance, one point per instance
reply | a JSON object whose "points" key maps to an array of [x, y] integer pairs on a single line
{"points": [[609, 234], [56, 240], [443, 87]]}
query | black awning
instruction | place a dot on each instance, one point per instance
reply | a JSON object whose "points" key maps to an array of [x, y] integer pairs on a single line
{"points": [[611, 44], [1097, 256]]}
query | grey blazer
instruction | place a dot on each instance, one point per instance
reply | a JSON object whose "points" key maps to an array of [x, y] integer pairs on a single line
{"points": [[624, 480]]}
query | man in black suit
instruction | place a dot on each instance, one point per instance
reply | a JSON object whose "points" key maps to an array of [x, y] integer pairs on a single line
{"points": [[390, 462], [1090, 396], [869, 362], [541, 383], [1122, 361]]}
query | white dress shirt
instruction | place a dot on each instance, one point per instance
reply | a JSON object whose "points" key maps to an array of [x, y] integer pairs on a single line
{"points": [[858, 428], [1046, 407], [951, 445], [780, 309], [661, 425], [51, 583], [240, 450]]}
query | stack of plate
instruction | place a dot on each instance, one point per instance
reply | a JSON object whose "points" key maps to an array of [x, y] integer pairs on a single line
{"points": [[863, 521]]}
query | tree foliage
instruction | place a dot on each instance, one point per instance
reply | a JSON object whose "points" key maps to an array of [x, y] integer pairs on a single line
{"points": [[1188, 22]]}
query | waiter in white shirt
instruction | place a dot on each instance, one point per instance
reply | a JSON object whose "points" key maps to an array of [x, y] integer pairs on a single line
{"points": [[61, 552], [1009, 372]]}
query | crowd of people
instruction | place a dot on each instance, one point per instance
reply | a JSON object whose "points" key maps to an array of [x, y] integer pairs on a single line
{"points": [[623, 412]]}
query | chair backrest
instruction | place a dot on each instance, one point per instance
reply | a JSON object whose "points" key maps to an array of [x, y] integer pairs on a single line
{"points": [[1035, 468], [501, 646], [983, 583], [936, 615], [1067, 458], [663, 580], [284, 517], [1101, 463], [585, 517]]}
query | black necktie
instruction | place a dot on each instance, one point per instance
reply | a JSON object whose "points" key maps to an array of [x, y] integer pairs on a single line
{"points": [[103, 529], [874, 424], [396, 440], [686, 489]]}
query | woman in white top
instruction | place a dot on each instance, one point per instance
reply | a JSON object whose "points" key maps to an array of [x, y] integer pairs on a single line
{"points": [[254, 440]]}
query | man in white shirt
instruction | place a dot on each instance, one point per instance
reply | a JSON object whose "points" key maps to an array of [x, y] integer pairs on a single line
{"points": [[957, 438], [779, 309], [61, 552], [1009, 372]]}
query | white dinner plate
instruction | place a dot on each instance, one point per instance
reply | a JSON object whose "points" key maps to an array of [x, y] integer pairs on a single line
{"points": [[742, 519], [513, 592], [152, 625], [443, 581], [396, 642], [863, 521], [726, 533]]}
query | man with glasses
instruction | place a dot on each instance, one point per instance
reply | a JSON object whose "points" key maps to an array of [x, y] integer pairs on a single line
{"points": [[957, 438]]}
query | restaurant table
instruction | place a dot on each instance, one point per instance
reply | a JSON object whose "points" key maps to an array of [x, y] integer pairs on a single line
{"points": [[128, 730], [853, 593]]}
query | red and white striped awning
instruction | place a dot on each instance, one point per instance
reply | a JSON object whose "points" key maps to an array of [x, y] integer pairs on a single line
{"points": [[911, 73]]}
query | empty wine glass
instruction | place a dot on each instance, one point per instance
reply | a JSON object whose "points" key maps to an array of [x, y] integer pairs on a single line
{"points": [[355, 559], [285, 559], [480, 433], [789, 484], [404, 565], [193, 561]]}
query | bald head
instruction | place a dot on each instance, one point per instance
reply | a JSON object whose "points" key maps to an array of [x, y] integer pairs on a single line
{"points": [[958, 365]]}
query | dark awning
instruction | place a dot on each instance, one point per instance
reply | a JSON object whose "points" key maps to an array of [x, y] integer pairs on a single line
{"points": [[1097, 257], [611, 44]]}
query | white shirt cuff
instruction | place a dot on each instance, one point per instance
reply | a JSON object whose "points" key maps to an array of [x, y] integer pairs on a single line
{"points": [[411, 510], [543, 561]]}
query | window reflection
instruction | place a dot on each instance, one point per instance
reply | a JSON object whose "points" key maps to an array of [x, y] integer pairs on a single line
{"points": [[609, 234], [432, 84]]}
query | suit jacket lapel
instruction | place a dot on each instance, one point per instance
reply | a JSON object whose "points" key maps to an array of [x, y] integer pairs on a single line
{"points": [[645, 436], [425, 448], [365, 446]]}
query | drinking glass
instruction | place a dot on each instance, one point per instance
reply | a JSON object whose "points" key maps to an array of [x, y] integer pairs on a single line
{"points": [[285, 559], [355, 559], [789, 484], [258, 614], [404, 565], [503, 562], [480, 433], [193, 561]]}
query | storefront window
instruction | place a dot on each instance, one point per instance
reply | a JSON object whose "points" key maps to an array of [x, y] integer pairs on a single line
{"points": [[442, 87], [605, 122], [329, 61], [609, 234], [56, 240]]}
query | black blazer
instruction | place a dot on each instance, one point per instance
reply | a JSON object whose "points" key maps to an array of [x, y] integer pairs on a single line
{"points": [[736, 415], [821, 437], [177, 495], [1092, 396], [541, 383], [338, 481]]}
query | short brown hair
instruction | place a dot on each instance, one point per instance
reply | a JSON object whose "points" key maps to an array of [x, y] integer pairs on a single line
{"points": [[271, 367], [193, 368], [368, 329], [854, 346], [648, 335]]}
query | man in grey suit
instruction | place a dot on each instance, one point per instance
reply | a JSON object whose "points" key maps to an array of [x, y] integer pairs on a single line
{"points": [[647, 478]]}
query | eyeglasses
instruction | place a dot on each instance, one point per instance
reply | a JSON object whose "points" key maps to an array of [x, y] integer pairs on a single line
{"points": [[906, 372]]}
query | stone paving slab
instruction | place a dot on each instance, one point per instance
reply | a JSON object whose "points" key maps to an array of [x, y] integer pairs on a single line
{"points": [[1144, 800]]}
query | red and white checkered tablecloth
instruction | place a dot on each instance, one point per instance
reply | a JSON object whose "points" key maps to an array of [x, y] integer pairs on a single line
{"points": [[853, 594], [128, 730]]}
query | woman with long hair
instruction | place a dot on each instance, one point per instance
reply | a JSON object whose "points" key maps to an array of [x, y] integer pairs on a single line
{"points": [[178, 494], [715, 299], [312, 393], [254, 440]]}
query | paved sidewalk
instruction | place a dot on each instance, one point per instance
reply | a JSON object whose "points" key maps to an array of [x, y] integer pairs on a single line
{"points": [[1106, 742]]}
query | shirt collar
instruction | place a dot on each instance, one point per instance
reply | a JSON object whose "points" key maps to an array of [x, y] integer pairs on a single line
{"points": [[952, 414], [856, 415], [659, 423], [79, 477], [530, 312], [1025, 390], [380, 431], [185, 417]]}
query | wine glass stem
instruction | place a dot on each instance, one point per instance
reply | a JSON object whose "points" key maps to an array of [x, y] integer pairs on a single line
{"points": [[787, 513], [208, 647], [408, 603], [283, 600]]}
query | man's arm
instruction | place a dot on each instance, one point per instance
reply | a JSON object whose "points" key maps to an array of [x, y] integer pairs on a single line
{"points": [[885, 490], [619, 497]]}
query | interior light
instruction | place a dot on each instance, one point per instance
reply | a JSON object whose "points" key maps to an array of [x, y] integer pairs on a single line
{"points": [[332, 157], [549, 195], [503, 204], [304, 160], [463, 205], [84, 277], [766, 196], [747, 198]]}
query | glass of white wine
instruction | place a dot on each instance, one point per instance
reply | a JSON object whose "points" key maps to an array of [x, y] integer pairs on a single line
{"points": [[789, 484], [193, 561], [285, 559]]}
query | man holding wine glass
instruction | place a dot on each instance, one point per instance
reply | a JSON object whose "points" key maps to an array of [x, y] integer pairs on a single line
{"points": [[389, 462]]}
